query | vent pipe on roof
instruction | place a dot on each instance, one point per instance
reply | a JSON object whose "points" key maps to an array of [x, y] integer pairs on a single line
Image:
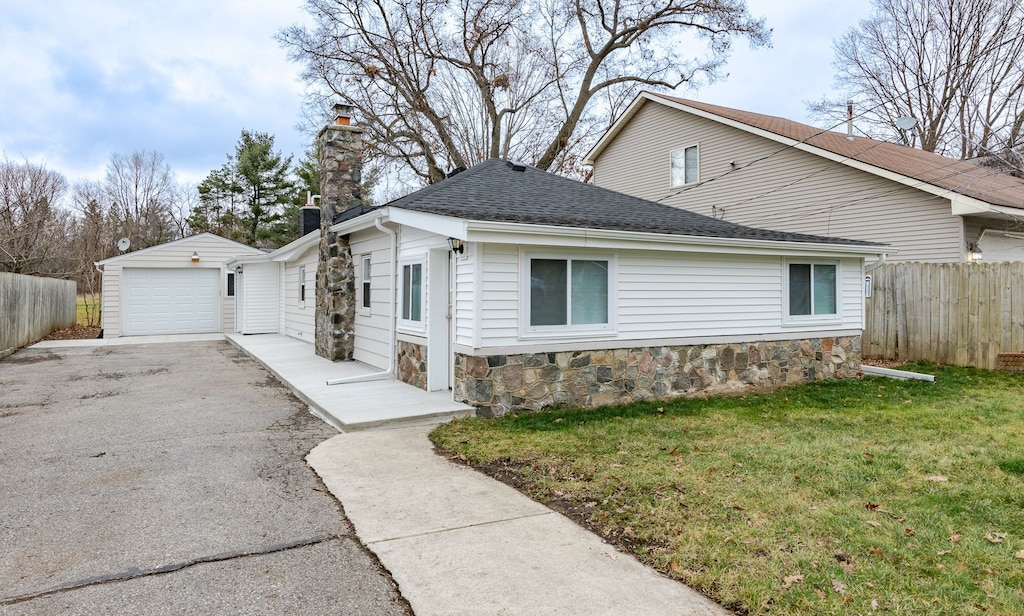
{"points": [[849, 120]]}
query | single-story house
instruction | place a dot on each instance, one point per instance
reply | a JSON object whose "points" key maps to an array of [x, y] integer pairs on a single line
{"points": [[519, 289], [181, 287], [775, 173]]}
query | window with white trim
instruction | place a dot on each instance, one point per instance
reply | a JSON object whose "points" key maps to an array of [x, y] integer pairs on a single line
{"points": [[813, 290], [412, 294], [685, 166], [302, 286], [364, 301], [570, 294], [231, 284]]}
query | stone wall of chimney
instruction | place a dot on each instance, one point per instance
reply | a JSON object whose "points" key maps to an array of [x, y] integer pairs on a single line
{"points": [[341, 153]]}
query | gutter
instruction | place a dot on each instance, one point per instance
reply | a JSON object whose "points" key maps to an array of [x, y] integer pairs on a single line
{"points": [[392, 318], [877, 264]]}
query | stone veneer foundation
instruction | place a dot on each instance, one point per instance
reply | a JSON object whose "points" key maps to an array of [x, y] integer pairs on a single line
{"points": [[498, 384], [412, 364]]}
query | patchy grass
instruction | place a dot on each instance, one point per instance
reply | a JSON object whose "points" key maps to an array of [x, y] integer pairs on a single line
{"points": [[87, 310], [836, 497]]}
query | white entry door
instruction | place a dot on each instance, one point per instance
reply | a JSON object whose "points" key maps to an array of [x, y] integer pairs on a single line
{"points": [[170, 301]]}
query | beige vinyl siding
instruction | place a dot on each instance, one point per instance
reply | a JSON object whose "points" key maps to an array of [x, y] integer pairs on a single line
{"points": [[213, 252], [300, 319], [783, 189], [679, 296], [371, 328]]}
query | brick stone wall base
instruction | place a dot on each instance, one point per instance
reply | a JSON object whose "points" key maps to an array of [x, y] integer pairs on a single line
{"points": [[1010, 362], [498, 384]]}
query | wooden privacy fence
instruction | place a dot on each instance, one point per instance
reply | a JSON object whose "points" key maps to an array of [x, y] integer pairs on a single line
{"points": [[963, 314], [31, 307]]}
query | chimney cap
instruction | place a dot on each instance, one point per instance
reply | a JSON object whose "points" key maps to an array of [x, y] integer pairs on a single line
{"points": [[343, 114]]}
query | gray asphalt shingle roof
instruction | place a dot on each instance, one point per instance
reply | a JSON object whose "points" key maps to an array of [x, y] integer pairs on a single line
{"points": [[494, 191]]}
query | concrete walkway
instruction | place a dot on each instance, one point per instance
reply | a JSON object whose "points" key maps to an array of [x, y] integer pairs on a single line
{"points": [[353, 406], [458, 542]]}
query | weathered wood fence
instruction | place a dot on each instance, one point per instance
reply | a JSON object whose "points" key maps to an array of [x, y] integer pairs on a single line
{"points": [[960, 314], [31, 307]]}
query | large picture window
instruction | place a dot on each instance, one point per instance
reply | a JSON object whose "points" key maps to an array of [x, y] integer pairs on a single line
{"points": [[813, 289], [570, 293], [412, 293], [685, 166]]}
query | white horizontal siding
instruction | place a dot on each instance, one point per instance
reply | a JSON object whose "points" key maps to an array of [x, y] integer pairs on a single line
{"points": [[371, 326], [300, 318], [213, 251], [670, 296], [464, 309], [262, 285], [783, 188]]}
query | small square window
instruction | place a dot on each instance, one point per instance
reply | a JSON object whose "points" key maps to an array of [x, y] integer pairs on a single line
{"points": [[568, 293], [685, 166], [813, 289]]}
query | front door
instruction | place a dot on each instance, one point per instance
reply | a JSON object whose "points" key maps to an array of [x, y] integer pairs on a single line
{"points": [[439, 346]]}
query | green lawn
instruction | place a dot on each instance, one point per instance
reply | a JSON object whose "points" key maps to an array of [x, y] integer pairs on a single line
{"points": [[842, 496]]}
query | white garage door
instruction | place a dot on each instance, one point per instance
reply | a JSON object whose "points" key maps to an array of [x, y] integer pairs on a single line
{"points": [[170, 301]]}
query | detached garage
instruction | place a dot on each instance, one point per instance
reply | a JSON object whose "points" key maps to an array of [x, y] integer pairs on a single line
{"points": [[181, 287]]}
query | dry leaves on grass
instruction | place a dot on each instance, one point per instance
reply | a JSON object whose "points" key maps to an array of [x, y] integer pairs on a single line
{"points": [[937, 478], [995, 537], [1020, 554], [789, 580]]}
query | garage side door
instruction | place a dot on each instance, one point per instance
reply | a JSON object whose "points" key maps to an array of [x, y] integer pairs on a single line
{"points": [[170, 301]]}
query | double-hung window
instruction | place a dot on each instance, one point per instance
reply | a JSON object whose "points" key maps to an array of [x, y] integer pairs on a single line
{"points": [[570, 294], [412, 294], [365, 284], [302, 286], [813, 290], [685, 166]]}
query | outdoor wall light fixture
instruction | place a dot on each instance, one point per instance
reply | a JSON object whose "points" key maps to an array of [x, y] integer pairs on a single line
{"points": [[974, 252], [195, 257], [456, 245]]}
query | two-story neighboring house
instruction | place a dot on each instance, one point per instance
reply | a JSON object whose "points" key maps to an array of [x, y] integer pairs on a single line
{"points": [[774, 173]]}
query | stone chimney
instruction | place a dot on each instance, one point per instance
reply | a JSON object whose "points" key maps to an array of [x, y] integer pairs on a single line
{"points": [[341, 155]]}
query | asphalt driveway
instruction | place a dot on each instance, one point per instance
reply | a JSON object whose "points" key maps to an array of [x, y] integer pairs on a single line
{"points": [[168, 479]]}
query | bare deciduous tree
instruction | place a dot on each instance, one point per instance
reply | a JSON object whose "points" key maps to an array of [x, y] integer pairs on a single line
{"points": [[956, 66], [142, 192], [443, 84], [33, 225]]}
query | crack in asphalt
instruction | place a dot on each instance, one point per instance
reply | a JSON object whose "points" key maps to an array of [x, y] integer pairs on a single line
{"points": [[135, 572]]}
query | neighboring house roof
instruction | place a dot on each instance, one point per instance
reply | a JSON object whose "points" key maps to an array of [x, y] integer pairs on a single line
{"points": [[925, 168], [501, 191], [184, 240]]}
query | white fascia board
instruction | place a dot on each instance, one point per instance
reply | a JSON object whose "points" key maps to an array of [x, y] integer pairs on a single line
{"points": [[899, 178], [575, 237], [184, 240], [966, 206], [263, 258], [360, 223], [295, 248], [435, 223]]}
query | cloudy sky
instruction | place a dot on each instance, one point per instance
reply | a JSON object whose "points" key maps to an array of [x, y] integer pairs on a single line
{"points": [[80, 79]]}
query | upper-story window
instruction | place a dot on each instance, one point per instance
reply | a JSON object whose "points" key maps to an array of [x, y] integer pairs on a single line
{"points": [[685, 166]]}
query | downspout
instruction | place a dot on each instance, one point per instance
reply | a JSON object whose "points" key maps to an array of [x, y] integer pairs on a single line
{"points": [[877, 264], [392, 287]]}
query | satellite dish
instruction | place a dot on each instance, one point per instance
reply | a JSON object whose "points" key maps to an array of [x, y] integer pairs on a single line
{"points": [[906, 123], [123, 244]]}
